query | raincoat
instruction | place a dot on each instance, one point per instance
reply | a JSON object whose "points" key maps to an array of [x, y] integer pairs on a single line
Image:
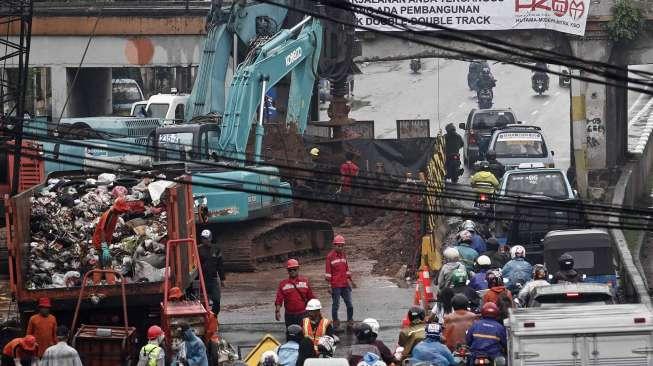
{"points": [[517, 269], [432, 351], [467, 255], [195, 349]]}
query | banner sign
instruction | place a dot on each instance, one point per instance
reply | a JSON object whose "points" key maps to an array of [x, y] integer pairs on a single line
{"points": [[567, 16]]}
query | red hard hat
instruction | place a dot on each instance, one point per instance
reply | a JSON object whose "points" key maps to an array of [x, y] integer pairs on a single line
{"points": [[490, 310], [175, 294], [292, 263], [154, 331], [28, 343], [44, 302], [339, 240]]}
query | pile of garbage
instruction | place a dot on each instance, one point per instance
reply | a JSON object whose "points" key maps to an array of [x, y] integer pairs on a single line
{"points": [[64, 216]]}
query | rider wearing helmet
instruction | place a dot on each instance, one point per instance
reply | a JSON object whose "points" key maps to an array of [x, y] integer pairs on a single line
{"points": [[483, 180], [487, 335], [431, 350], [414, 333], [459, 282], [495, 166], [386, 354], [457, 323], [453, 142], [517, 270], [364, 344], [497, 293], [478, 243], [540, 278], [289, 351], [478, 282], [467, 254], [567, 273], [452, 262]]}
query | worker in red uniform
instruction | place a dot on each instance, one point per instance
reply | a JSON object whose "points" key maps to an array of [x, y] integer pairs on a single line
{"points": [[293, 293], [348, 170], [20, 351], [338, 276], [43, 326], [103, 234]]}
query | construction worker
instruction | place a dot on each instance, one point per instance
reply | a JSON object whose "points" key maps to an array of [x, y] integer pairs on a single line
{"points": [[289, 351], [338, 276], [293, 293], [386, 354], [348, 172], [175, 294], [467, 254], [212, 268], [153, 354], [315, 325], [20, 351], [195, 348], [43, 326], [61, 354], [414, 333], [457, 323], [364, 344]]}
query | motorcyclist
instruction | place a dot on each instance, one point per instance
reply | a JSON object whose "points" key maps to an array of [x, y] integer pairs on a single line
{"points": [[459, 282], [431, 350], [517, 270], [485, 79], [453, 142], [457, 323], [478, 281], [467, 254], [487, 336], [289, 351], [452, 262], [473, 73], [496, 168], [478, 243], [386, 354], [484, 176], [414, 333], [497, 293], [567, 273], [540, 72], [364, 344], [540, 277]]}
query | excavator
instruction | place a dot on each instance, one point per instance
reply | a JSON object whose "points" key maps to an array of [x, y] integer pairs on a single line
{"points": [[247, 214]]}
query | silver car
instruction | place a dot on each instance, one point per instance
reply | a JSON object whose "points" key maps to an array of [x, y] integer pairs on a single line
{"points": [[517, 144]]}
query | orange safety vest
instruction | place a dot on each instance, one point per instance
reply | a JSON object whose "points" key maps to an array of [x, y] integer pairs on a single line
{"points": [[315, 335]]}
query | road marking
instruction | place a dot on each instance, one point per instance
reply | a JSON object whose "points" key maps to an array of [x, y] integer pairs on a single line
{"points": [[534, 112], [545, 103]]}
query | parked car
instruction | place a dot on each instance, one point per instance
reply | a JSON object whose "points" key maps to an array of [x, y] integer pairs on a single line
{"points": [[516, 144], [572, 294], [478, 131], [124, 93]]}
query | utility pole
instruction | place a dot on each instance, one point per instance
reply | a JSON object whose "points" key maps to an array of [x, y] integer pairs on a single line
{"points": [[16, 18], [579, 131]]}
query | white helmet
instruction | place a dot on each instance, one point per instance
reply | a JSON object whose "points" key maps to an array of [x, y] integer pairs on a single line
{"points": [[313, 304], [374, 324], [451, 254], [517, 251], [468, 225], [206, 234], [269, 358], [483, 260]]}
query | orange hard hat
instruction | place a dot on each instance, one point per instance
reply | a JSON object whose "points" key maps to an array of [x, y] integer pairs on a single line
{"points": [[44, 302], [292, 263], [175, 294], [28, 343], [339, 240], [154, 332]]}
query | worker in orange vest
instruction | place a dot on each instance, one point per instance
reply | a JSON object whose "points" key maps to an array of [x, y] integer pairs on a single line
{"points": [[315, 325], [43, 326]]}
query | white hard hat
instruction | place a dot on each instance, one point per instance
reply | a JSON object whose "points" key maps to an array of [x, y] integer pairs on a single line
{"points": [[517, 251], [483, 260], [451, 254], [374, 324], [206, 234], [315, 151], [313, 304]]}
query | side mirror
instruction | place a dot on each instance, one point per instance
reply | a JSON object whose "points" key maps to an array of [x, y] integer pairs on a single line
{"points": [[461, 125], [553, 153]]}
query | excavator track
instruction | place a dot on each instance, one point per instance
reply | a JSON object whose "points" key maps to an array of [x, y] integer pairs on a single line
{"points": [[245, 245]]}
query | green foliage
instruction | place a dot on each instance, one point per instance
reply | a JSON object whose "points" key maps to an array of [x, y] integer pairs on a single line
{"points": [[626, 23]]}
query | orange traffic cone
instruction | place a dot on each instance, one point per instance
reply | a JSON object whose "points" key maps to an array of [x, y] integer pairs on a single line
{"points": [[425, 279], [417, 300]]}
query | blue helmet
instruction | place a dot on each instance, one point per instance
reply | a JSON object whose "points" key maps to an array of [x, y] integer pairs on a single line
{"points": [[433, 330]]}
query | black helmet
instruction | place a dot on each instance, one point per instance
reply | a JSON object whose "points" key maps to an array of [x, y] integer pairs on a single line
{"points": [[459, 302], [294, 333], [416, 313], [364, 333], [450, 127], [566, 262], [484, 165], [491, 155], [540, 272], [494, 278]]}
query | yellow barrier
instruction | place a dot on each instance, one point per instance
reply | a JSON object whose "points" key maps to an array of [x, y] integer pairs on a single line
{"points": [[268, 343], [434, 186]]}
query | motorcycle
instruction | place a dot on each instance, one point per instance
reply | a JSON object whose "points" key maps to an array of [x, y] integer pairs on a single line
{"points": [[485, 97], [564, 80], [460, 354], [415, 65], [453, 169], [484, 360], [540, 84], [473, 74]]}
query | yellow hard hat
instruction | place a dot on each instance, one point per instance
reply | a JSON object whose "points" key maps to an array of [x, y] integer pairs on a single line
{"points": [[315, 151]]}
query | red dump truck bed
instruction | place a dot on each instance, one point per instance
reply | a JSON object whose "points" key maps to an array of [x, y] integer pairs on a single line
{"points": [[180, 224]]}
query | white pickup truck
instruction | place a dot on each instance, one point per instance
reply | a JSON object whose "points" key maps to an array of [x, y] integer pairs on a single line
{"points": [[166, 107], [581, 335]]}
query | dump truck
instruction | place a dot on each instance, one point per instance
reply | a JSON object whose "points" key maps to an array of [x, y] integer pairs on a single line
{"points": [[143, 297]]}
